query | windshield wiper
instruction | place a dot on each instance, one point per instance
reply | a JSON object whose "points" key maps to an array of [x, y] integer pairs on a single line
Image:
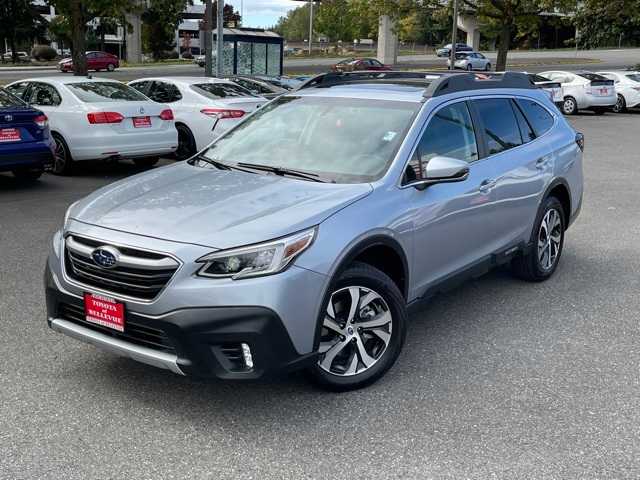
{"points": [[282, 171], [218, 164]]}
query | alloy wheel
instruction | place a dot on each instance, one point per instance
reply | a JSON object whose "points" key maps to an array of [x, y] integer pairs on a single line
{"points": [[60, 156], [549, 239], [356, 331], [620, 104], [569, 106]]}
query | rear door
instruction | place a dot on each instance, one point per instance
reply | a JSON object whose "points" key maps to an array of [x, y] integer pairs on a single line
{"points": [[523, 163]]}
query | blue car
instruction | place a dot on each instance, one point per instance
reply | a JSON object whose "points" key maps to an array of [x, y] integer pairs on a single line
{"points": [[26, 146]]}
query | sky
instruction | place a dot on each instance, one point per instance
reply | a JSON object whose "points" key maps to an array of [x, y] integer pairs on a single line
{"points": [[263, 13]]}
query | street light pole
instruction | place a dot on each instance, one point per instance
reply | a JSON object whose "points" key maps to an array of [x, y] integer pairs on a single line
{"points": [[208, 50], [310, 25], [454, 35], [220, 38]]}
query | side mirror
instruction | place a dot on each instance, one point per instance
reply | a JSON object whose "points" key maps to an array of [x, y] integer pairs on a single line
{"points": [[441, 170]]}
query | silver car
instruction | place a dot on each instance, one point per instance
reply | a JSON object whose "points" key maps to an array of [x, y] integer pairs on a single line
{"points": [[471, 61], [299, 238]]}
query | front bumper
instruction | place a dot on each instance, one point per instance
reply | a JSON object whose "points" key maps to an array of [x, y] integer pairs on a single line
{"points": [[203, 342]]}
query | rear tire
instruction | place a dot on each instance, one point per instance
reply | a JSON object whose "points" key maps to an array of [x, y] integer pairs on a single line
{"points": [[62, 160], [547, 239], [359, 342], [569, 106], [111, 67], [28, 175], [145, 162]]}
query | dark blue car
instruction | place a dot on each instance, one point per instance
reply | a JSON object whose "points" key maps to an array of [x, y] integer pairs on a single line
{"points": [[26, 146]]}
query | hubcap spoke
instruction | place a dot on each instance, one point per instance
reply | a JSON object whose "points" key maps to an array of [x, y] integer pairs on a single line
{"points": [[382, 335], [331, 354], [549, 239], [355, 302], [365, 358], [380, 320], [331, 324]]}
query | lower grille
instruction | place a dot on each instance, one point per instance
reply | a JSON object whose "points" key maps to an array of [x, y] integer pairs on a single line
{"points": [[138, 273], [135, 333]]}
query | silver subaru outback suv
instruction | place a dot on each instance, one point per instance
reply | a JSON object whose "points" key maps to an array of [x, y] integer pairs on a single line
{"points": [[299, 239]]}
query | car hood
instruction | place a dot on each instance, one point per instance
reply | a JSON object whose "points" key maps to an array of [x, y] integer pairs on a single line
{"points": [[215, 208]]}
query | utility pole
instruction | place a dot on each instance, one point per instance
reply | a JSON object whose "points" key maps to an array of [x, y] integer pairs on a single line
{"points": [[310, 26], [208, 40], [454, 35], [220, 38]]}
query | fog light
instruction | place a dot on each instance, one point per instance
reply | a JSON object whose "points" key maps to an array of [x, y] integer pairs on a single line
{"points": [[246, 353]]}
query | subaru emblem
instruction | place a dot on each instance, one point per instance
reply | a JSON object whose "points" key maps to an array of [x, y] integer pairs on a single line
{"points": [[105, 257], [8, 118]]}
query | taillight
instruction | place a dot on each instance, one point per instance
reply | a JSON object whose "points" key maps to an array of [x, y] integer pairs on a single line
{"points": [[104, 117], [580, 141], [166, 114], [41, 121], [222, 112]]}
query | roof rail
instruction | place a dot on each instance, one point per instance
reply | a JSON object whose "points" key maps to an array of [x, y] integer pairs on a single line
{"points": [[436, 83]]}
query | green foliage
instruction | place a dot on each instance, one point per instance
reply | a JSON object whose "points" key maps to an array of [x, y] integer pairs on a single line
{"points": [[43, 52], [60, 29], [159, 24], [20, 22], [605, 23], [295, 26]]}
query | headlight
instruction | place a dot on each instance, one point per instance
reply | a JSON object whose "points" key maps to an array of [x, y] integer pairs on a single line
{"points": [[256, 260]]}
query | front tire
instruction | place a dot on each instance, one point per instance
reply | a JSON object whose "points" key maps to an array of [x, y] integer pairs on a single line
{"points": [[363, 329], [569, 106], [547, 240], [186, 143], [62, 161], [621, 105], [487, 67], [469, 67]]}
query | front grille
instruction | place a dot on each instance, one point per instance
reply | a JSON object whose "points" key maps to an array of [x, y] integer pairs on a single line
{"points": [[135, 333], [138, 273]]}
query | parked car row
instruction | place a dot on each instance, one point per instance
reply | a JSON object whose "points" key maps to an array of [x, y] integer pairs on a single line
{"points": [[86, 118]]}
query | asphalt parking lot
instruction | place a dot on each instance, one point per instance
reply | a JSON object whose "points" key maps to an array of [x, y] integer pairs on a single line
{"points": [[499, 378]]}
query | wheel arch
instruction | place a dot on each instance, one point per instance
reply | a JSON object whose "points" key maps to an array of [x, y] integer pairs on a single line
{"points": [[368, 250], [560, 189]]}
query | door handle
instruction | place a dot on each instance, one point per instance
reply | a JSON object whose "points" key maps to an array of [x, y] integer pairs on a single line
{"points": [[487, 185], [542, 162]]}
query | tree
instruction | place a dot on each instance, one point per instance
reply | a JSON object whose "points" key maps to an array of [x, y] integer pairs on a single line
{"points": [[60, 30], [160, 21], [79, 13], [295, 26], [20, 21], [334, 21], [607, 22], [507, 17]]}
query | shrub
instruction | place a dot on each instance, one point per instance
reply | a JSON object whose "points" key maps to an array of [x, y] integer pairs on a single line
{"points": [[43, 52], [187, 55]]}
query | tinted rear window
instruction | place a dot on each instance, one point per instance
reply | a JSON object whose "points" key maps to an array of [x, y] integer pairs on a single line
{"points": [[538, 78], [538, 116], [9, 100], [94, 92], [634, 76], [221, 90], [592, 76]]}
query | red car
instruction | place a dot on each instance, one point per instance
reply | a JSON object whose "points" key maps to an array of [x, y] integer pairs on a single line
{"points": [[359, 64], [95, 61]]}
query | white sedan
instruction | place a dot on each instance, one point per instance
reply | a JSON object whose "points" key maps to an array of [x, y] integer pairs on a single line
{"points": [[584, 90], [471, 61], [627, 85], [95, 119], [204, 108]]}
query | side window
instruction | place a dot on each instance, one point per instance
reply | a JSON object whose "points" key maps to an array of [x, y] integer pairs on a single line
{"points": [[539, 118], [501, 130], [44, 95], [526, 131], [142, 87], [163, 92], [19, 90], [449, 133]]}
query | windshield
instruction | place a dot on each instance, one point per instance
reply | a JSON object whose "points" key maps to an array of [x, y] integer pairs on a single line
{"points": [[9, 100], [94, 92], [538, 78], [634, 76], [341, 140], [216, 91]]}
